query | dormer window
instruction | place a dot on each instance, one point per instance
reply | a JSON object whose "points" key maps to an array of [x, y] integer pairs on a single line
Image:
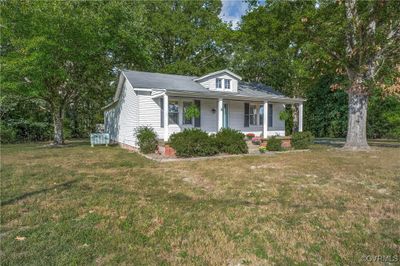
{"points": [[218, 83], [227, 84], [221, 81]]}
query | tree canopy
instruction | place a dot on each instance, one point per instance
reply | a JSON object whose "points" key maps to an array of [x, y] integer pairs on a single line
{"points": [[60, 60]]}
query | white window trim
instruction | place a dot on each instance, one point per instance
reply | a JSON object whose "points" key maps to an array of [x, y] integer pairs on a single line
{"points": [[222, 88], [229, 82], [257, 114], [254, 115], [216, 83], [179, 107]]}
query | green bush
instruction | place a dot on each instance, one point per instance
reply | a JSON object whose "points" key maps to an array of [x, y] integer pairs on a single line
{"points": [[231, 141], [193, 142], [146, 139], [31, 131], [302, 140], [7, 134], [274, 144]]}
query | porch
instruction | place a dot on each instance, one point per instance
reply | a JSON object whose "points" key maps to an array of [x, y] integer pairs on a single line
{"points": [[249, 115]]}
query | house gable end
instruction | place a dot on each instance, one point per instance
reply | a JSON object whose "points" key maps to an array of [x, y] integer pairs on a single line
{"points": [[224, 80]]}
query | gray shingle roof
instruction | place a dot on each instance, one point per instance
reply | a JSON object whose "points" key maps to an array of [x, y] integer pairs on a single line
{"points": [[182, 83], [163, 81]]}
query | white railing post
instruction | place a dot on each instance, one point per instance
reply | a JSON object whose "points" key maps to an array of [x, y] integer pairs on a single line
{"points": [[265, 120], [220, 113], [165, 104]]}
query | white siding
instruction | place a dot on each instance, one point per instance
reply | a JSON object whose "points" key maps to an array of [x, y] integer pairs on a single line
{"points": [[236, 119], [140, 109], [208, 119], [210, 82], [150, 115], [110, 124], [150, 112], [122, 119]]}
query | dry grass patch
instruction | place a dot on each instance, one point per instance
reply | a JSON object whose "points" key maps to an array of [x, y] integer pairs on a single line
{"points": [[82, 205]]}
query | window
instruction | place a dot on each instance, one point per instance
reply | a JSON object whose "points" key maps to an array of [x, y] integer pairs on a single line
{"points": [[218, 83], [186, 121], [253, 115], [261, 115], [227, 83], [173, 112], [270, 115]]}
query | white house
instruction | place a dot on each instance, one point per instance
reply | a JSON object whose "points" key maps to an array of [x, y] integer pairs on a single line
{"points": [[159, 101]]}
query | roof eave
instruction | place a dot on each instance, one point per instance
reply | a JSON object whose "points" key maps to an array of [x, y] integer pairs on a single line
{"points": [[235, 96]]}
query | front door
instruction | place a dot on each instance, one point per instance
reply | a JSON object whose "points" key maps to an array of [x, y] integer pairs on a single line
{"points": [[225, 116]]}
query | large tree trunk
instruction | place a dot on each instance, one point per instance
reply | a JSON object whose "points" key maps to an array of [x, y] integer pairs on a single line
{"points": [[58, 119], [356, 129]]}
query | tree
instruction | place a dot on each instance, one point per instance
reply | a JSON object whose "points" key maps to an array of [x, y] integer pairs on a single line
{"points": [[62, 52], [186, 37], [360, 39], [269, 48], [292, 45]]}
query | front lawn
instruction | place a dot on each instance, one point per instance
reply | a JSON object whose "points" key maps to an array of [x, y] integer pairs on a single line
{"points": [[105, 205]]}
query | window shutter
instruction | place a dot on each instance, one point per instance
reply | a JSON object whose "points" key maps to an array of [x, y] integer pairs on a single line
{"points": [[246, 114], [162, 112], [197, 120], [270, 115]]}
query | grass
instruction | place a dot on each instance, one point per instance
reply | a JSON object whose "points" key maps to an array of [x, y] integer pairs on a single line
{"points": [[80, 205]]}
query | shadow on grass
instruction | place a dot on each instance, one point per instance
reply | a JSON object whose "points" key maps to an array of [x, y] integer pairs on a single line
{"points": [[338, 143], [64, 185]]}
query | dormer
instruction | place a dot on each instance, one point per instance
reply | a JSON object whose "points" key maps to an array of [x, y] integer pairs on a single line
{"points": [[223, 81]]}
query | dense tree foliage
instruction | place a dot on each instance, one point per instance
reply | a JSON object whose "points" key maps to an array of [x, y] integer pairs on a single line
{"points": [[314, 48], [67, 53], [60, 60], [59, 52]]}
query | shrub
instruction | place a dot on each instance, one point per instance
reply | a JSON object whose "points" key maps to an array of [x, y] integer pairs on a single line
{"points": [[302, 140], [193, 142], [7, 134], [274, 144], [146, 139], [231, 141], [26, 130]]}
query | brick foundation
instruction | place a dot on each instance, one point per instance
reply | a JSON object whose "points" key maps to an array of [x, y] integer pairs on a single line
{"points": [[286, 143], [169, 151]]}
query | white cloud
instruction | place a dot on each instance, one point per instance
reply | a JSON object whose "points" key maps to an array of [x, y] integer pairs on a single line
{"points": [[232, 11]]}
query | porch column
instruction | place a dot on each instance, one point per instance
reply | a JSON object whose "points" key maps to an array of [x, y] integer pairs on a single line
{"points": [[265, 120], [300, 117], [220, 114], [180, 112], [165, 104]]}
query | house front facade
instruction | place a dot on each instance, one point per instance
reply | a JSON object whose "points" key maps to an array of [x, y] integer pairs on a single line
{"points": [[222, 98]]}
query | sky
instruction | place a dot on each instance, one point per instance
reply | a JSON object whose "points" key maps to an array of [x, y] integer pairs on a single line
{"points": [[232, 10]]}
